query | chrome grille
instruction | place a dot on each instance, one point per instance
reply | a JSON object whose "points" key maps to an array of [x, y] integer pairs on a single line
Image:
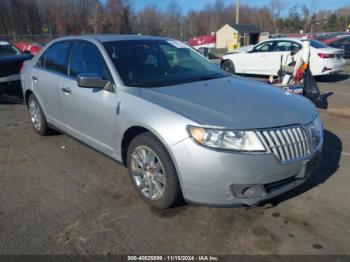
{"points": [[288, 143]]}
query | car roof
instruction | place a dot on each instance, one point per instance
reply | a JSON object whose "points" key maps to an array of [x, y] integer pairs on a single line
{"points": [[335, 38], [109, 38], [288, 38]]}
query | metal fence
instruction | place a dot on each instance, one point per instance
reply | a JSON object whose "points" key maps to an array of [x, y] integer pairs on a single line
{"points": [[41, 39]]}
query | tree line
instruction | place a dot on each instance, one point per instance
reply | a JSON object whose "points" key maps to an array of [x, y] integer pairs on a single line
{"points": [[67, 17]]}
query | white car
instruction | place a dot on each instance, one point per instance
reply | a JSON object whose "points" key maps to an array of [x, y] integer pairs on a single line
{"points": [[266, 58]]}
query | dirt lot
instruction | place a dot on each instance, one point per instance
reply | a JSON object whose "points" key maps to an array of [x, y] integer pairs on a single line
{"points": [[58, 196]]}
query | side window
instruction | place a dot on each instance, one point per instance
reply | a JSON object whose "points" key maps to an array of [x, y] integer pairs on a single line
{"points": [[41, 60], [86, 58], [295, 47], [55, 58], [265, 47], [282, 46], [286, 46]]}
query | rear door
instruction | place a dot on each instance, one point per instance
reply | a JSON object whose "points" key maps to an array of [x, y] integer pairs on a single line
{"points": [[47, 76], [281, 55], [89, 113]]}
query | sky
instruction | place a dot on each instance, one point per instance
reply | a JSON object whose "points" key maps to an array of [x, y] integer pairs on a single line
{"points": [[187, 5]]}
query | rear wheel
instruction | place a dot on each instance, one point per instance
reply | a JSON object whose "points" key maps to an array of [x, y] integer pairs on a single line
{"points": [[228, 66], [37, 116], [152, 172]]}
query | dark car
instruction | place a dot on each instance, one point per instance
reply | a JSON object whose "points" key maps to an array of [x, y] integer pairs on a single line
{"points": [[342, 42], [11, 60]]}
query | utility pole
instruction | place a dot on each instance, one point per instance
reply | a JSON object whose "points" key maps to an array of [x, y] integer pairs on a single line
{"points": [[237, 11]]}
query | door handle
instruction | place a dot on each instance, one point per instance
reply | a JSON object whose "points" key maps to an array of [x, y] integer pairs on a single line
{"points": [[66, 90], [35, 78]]}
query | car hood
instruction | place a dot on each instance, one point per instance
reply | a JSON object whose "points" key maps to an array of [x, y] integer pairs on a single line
{"points": [[243, 49], [233, 102], [15, 58]]}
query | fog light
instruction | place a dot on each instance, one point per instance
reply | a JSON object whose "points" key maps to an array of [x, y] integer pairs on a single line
{"points": [[248, 191]]}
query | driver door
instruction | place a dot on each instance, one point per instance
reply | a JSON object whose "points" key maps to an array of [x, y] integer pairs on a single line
{"points": [[89, 113], [257, 60]]}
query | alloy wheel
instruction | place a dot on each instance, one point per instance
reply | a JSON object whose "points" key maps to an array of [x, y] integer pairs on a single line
{"points": [[35, 114], [148, 172]]}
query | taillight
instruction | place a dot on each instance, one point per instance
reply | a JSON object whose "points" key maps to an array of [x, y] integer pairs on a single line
{"points": [[324, 55]]}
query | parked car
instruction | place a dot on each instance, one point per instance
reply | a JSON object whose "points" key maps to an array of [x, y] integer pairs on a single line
{"points": [[184, 128], [33, 48], [266, 58], [11, 60], [341, 42]]}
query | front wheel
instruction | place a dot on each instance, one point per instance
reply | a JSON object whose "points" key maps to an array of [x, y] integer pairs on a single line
{"points": [[152, 172], [228, 66]]}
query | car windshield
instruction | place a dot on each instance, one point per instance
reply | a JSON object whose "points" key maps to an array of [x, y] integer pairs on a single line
{"points": [[152, 63], [317, 44], [6, 49]]}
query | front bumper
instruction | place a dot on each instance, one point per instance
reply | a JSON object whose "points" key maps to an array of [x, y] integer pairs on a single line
{"points": [[208, 176]]}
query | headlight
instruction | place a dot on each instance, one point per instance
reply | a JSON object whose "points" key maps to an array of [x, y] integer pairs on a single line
{"points": [[226, 139], [317, 131]]}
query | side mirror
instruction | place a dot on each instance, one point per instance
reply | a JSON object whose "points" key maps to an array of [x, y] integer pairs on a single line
{"points": [[88, 80]]}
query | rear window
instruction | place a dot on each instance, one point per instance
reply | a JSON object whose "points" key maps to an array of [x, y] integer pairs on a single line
{"points": [[317, 44]]}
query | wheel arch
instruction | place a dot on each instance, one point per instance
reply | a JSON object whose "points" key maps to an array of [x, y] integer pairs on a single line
{"points": [[128, 136], [230, 60], [135, 130], [26, 95]]}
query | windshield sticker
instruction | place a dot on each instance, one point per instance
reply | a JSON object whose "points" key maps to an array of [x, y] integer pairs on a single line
{"points": [[4, 43], [177, 44]]}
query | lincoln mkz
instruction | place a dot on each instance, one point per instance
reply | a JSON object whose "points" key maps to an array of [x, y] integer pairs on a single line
{"points": [[185, 129]]}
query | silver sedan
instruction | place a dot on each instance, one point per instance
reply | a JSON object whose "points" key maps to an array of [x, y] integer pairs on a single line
{"points": [[185, 129]]}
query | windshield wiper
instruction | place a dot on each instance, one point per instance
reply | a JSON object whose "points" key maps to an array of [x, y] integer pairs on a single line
{"points": [[204, 78], [146, 84], [175, 82]]}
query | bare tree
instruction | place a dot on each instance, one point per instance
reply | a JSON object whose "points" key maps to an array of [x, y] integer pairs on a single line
{"points": [[95, 18], [149, 21], [276, 7], [117, 16], [172, 20]]}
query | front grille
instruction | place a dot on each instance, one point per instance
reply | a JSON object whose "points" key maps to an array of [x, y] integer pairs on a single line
{"points": [[287, 144]]}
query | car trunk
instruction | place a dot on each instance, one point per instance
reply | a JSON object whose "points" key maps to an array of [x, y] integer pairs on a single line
{"points": [[334, 54]]}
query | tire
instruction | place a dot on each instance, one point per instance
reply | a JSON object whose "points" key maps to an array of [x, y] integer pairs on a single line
{"points": [[37, 116], [166, 190], [228, 66]]}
